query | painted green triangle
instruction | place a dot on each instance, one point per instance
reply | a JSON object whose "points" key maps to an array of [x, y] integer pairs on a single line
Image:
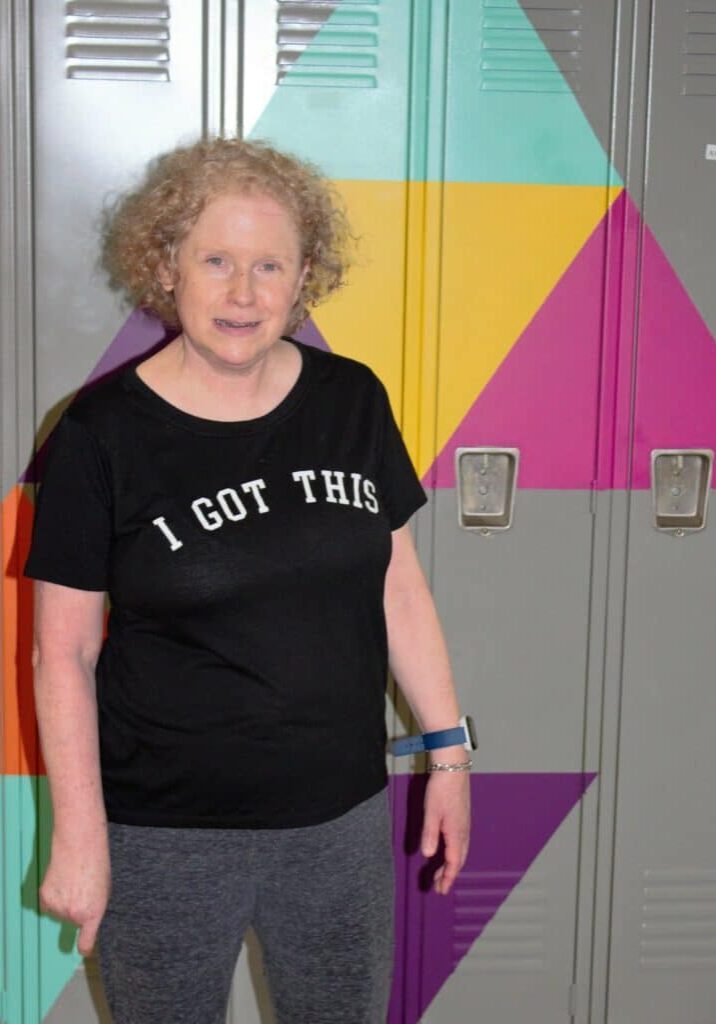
{"points": [[511, 115], [41, 956], [339, 102]]}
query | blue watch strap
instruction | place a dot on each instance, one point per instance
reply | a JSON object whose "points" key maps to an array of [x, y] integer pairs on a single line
{"points": [[429, 741]]}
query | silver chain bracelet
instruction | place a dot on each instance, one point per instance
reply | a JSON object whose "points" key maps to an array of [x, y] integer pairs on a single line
{"points": [[441, 766]]}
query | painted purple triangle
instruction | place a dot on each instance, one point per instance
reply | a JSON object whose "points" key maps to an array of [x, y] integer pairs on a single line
{"points": [[310, 335], [517, 813], [137, 336], [140, 333], [542, 398]]}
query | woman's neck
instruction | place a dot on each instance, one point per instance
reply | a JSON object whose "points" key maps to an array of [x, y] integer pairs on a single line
{"points": [[185, 379]]}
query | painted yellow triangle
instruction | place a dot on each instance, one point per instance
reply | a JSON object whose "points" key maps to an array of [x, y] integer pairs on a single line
{"points": [[365, 320], [449, 277]]}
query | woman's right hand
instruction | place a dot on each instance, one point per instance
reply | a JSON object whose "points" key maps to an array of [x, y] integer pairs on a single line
{"points": [[76, 886]]}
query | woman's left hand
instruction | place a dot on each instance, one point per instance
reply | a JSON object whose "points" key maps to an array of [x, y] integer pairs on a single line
{"points": [[447, 813]]}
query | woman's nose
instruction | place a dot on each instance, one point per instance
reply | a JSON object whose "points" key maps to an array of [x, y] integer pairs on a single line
{"points": [[241, 287]]}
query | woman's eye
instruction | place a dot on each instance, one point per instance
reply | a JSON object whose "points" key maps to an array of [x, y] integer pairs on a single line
{"points": [[270, 266], [215, 261]]}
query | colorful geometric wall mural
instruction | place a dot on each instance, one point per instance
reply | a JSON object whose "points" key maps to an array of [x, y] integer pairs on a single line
{"points": [[534, 232]]}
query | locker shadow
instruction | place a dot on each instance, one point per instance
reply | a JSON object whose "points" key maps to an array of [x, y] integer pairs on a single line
{"points": [[410, 840], [38, 865], [67, 932], [96, 991], [413, 829]]}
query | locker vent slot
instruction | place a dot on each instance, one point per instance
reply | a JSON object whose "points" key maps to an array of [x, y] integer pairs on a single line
{"points": [[515, 939], [698, 72], [125, 41], [678, 925], [327, 44], [542, 55]]}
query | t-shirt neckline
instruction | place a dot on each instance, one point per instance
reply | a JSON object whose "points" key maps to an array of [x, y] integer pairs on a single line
{"points": [[221, 428]]}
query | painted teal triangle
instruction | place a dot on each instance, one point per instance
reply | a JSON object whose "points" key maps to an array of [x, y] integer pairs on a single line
{"points": [[40, 956], [353, 103], [344, 102], [511, 115]]}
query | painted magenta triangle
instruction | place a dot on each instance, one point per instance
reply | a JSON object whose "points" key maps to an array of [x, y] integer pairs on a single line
{"points": [[543, 398], [676, 366], [518, 813]]}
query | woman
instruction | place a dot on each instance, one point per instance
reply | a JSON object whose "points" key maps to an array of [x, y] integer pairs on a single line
{"points": [[243, 500]]}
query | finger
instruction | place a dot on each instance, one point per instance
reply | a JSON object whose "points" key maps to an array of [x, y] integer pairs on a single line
{"points": [[454, 860], [87, 937], [447, 877], [442, 882], [430, 836]]}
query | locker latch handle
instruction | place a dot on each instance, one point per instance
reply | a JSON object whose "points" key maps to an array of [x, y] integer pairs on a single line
{"points": [[680, 485], [486, 484]]}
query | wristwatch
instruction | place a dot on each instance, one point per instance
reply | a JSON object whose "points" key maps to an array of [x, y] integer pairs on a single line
{"points": [[463, 734]]}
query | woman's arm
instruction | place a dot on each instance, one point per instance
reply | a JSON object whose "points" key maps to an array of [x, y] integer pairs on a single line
{"points": [[68, 637], [419, 661]]}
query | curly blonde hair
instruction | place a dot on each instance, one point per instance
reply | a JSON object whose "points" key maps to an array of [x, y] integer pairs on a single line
{"points": [[144, 228]]}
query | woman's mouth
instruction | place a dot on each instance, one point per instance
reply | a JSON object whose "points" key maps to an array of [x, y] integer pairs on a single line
{"points": [[236, 325]]}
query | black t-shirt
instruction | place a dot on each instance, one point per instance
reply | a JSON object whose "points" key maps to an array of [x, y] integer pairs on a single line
{"points": [[242, 680]]}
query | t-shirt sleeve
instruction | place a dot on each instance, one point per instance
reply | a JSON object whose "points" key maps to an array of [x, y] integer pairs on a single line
{"points": [[72, 528], [400, 487]]}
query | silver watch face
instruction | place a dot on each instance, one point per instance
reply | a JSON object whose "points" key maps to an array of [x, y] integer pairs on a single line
{"points": [[471, 732]]}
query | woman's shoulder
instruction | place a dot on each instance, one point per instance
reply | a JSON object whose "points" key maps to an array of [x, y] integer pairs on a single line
{"points": [[102, 405], [336, 369]]}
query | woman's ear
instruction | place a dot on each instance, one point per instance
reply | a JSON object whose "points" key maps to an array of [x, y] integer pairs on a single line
{"points": [[301, 278], [165, 277]]}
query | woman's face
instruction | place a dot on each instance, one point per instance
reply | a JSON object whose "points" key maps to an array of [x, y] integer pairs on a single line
{"points": [[238, 274]]}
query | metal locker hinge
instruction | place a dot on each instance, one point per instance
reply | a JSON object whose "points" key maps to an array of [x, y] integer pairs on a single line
{"points": [[680, 485], [486, 483]]}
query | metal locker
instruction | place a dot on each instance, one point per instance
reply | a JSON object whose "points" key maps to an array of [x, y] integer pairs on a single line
{"points": [[524, 220], [662, 950]]}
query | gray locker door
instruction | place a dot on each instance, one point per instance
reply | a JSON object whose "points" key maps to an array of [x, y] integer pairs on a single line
{"points": [[112, 85], [526, 136], [662, 964]]}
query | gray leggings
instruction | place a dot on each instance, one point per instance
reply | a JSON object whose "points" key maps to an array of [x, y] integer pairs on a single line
{"points": [[320, 900]]}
